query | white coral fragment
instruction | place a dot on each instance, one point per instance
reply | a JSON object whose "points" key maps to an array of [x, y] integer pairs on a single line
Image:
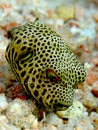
{"points": [[53, 119], [3, 102], [4, 124], [18, 107], [75, 110]]}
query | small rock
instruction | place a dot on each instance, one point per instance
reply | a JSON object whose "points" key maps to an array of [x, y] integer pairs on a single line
{"points": [[75, 110], [18, 107], [92, 76], [96, 42], [95, 17], [3, 102], [53, 119], [4, 124], [73, 23], [48, 127], [95, 91], [65, 12]]}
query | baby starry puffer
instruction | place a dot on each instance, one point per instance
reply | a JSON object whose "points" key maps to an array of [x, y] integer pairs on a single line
{"points": [[44, 65]]}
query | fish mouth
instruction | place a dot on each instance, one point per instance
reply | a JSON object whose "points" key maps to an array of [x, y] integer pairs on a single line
{"points": [[60, 106]]}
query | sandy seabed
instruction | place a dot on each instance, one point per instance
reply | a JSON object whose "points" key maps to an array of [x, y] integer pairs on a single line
{"points": [[76, 22]]}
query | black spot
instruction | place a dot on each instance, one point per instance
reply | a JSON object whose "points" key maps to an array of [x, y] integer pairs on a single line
{"points": [[40, 100], [54, 88], [50, 56], [36, 58], [38, 86], [41, 64], [23, 48], [34, 72], [31, 64], [43, 59], [38, 34], [22, 62], [24, 36], [23, 73], [21, 34], [48, 96], [33, 36], [43, 44], [79, 77], [46, 31], [55, 100], [54, 44], [37, 76], [29, 49], [48, 105], [30, 44], [15, 38], [43, 51], [33, 79], [39, 69], [18, 41], [48, 60], [41, 48], [44, 91], [17, 32], [52, 91], [30, 71], [50, 47], [32, 86], [82, 74], [53, 96], [46, 54], [39, 81], [15, 54], [26, 32], [13, 51], [19, 67], [47, 37], [37, 49], [44, 34], [34, 45], [40, 31], [30, 28], [36, 93], [41, 38], [48, 34], [46, 81], [56, 92], [51, 100], [45, 47], [49, 86], [38, 43], [9, 55], [35, 31], [43, 85], [45, 40], [35, 40], [48, 43], [37, 28], [48, 50], [36, 65], [24, 65], [25, 42]]}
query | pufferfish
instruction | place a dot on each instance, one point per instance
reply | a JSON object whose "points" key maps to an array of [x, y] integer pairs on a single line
{"points": [[44, 65]]}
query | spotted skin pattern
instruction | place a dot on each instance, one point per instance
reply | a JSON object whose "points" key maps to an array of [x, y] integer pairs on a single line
{"points": [[44, 64]]}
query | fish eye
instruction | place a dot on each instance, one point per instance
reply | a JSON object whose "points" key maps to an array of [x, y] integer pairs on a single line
{"points": [[52, 75]]}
